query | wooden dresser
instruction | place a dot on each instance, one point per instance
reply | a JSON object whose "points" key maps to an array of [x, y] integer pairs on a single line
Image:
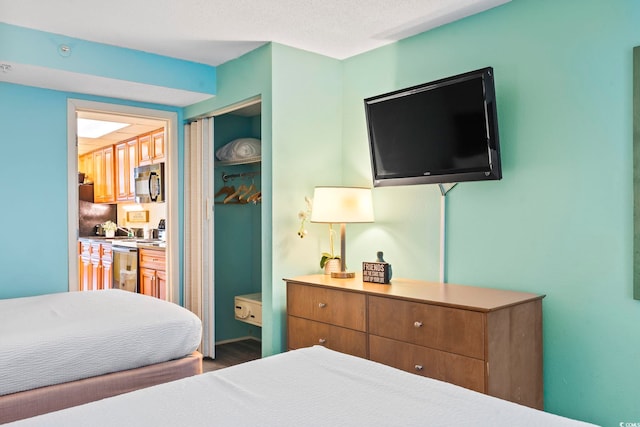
{"points": [[483, 339]]}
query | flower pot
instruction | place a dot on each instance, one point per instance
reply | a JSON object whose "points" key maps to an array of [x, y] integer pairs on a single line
{"points": [[109, 233], [332, 265]]}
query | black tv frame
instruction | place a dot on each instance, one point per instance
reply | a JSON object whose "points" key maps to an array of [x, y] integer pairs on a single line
{"points": [[491, 117]]}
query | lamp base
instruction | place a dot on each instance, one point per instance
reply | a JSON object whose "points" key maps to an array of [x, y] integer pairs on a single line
{"points": [[343, 274]]}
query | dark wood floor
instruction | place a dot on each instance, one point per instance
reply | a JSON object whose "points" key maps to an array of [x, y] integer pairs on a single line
{"points": [[233, 353]]}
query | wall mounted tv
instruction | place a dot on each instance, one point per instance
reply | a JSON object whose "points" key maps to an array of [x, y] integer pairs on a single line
{"points": [[445, 131]]}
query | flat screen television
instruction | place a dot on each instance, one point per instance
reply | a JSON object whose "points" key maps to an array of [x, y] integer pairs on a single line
{"points": [[445, 131]]}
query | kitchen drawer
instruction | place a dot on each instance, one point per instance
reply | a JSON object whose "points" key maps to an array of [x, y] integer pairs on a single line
{"points": [[339, 308], [96, 250], [460, 370], [441, 328], [306, 333], [152, 259], [107, 252]]}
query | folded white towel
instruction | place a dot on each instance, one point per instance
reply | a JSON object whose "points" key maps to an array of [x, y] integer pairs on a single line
{"points": [[239, 149]]}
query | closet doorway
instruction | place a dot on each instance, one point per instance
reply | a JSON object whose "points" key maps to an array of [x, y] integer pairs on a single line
{"points": [[238, 226]]}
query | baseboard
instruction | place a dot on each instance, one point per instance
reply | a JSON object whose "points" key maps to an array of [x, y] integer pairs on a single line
{"points": [[248, 337]]}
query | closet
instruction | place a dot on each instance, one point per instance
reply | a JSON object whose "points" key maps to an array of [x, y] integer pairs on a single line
{"points": [[237, 233]]}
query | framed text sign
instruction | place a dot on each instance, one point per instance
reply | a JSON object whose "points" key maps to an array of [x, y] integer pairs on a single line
{"points": [[376, 272]]}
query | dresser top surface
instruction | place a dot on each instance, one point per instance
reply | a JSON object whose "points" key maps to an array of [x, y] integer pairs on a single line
{"points": [[445, 294]]}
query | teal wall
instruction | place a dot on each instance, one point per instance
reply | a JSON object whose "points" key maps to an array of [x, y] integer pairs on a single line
{"points": [[246, 77], [560, 221], [301, 133], [33, 135], [40, 49], [307, 136], [33, 140]]}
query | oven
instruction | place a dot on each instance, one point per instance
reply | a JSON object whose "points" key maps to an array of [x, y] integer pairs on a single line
{"points": [[125, 268]]}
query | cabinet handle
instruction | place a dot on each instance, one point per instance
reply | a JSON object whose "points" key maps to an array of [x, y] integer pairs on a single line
{"points": [[322, 340], [417, 324], [322, 305], [418, 367]]}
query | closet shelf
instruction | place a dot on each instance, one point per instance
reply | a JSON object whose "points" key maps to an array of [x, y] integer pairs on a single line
{"points": [[238, 162]]}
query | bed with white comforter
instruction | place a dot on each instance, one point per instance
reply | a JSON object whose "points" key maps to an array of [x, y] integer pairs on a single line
{"points": [[307, 387], [60, 338]]}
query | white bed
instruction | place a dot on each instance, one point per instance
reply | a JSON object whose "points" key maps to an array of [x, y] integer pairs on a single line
{"points": [[56, 339], [307, 387]]}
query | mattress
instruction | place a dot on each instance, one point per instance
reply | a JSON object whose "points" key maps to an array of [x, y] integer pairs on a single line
{"points": [[57, 338], [306, 387]]}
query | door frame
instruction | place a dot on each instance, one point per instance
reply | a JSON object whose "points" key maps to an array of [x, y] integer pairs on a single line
{"points": [[171, 188]]}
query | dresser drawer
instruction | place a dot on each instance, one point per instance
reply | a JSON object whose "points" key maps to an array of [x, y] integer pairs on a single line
{"points": [[306, 333], [339, 308], [441, 328], [460, 370]]}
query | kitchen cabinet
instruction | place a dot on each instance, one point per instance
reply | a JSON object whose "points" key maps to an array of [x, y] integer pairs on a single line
{"points": [[151, 147], [101, 265], [85, 165], [104, 185], [95, 265], [484, 339], [126, 160], [153, 276], [84, 266], [106, 259]]}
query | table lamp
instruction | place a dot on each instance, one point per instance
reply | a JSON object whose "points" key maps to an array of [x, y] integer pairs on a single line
{"points": [[342, 205]]}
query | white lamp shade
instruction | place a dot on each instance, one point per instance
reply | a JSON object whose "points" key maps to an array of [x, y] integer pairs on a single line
{"points": [[342, 205]]}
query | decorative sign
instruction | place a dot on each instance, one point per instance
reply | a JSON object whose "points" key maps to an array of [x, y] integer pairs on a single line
{"points": [[376, 272], [138, 216]]}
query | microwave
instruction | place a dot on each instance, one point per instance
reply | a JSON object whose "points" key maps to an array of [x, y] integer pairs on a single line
{"points": [[149, 183]]}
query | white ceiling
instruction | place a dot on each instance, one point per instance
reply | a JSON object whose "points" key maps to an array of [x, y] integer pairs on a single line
{"points": [[137, 126], [215, 31]]}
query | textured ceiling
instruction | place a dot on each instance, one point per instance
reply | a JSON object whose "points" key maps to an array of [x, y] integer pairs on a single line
{"points": [[215, 31]]}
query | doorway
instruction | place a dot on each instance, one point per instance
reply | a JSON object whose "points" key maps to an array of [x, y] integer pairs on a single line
{"points": [[139, 117]]}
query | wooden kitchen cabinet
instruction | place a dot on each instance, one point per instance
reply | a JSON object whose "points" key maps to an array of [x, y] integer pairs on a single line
{"points": [[151, 147], [85, 165], [85, 266], [126, 160], [95, 265], [483, 339], [106, 259], [153, 277], [104, 169]]}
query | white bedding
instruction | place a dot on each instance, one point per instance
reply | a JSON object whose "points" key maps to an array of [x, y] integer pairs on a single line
{"points": [[306, 387], [56, 338]]}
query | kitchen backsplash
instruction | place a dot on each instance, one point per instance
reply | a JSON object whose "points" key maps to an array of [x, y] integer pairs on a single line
{"points": [[91, 214], [157, 211]]}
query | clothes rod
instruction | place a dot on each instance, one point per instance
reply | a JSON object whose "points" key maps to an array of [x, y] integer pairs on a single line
{"points": [[226, 177]]}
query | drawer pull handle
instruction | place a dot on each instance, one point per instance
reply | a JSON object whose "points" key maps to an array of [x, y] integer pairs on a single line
{"points": [[322, 305], [417, 324], [322, 340], [418, 367]]}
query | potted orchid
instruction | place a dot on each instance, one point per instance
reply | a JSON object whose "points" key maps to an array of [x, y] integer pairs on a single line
{"points": [[328, 260]]}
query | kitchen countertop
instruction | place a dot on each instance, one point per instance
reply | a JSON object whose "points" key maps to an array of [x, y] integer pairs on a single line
{"points": [[130, 242]]}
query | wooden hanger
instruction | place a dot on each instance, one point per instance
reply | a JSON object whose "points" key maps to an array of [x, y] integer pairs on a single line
{"points": [[255, 197], [235, 194], [226, 190], [250, 189]]}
